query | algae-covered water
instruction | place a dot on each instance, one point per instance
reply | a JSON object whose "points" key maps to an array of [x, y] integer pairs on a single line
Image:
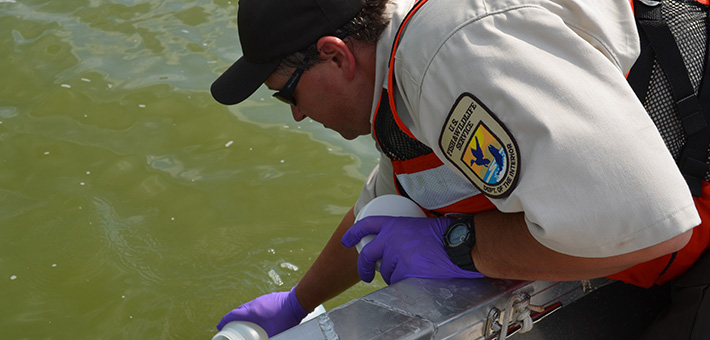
{"points": [[132, 205]]}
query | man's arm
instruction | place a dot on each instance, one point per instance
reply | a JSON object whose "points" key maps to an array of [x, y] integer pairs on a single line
{"points": [[506, 249], [333, 272]]}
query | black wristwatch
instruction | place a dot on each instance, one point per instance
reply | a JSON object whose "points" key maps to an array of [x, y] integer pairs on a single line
{"points": [[459, 238]]}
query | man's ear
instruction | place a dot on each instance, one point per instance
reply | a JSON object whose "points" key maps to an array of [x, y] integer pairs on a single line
{"points": [[334, 50]]}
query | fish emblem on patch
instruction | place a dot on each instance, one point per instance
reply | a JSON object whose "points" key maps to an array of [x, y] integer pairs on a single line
{"points": [[481, 147]]}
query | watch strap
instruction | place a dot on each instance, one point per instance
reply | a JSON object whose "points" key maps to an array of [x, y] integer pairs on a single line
{"points": [[461, 254]]}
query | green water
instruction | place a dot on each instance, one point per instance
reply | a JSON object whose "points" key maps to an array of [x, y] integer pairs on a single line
{"points": [[133, 206]]}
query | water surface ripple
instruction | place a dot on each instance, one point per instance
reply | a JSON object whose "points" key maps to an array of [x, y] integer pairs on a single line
{"points": [[133, 206]]}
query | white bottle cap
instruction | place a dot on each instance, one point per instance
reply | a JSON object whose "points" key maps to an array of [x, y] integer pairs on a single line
{"points": [[241, 330]]}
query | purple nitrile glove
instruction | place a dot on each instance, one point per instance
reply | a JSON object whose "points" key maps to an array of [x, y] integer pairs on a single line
{"points": [[274, 312], [408, 247]]}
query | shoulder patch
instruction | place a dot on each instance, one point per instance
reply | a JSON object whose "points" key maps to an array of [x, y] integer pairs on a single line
{"points": [[477, 143]]}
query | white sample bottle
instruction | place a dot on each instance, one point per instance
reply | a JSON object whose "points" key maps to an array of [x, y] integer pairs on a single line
{"points": [[244, 330], [387, 205]]}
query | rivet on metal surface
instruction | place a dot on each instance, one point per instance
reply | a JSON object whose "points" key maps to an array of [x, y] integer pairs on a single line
{"points": [[586, 286]]}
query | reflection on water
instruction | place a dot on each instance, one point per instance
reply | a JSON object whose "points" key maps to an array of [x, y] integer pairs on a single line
{"points": [[133, 206]]}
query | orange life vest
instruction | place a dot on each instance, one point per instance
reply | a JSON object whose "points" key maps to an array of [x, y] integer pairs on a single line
{"points": [[418, 173]]}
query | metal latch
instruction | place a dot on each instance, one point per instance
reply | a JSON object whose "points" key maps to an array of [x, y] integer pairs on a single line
{"points": [[517, 315]]}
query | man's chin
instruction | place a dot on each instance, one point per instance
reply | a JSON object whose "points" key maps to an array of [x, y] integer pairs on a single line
{"points": [[350, 135]]}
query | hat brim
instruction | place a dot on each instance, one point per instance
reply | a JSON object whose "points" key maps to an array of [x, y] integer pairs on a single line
{"points": [[240, 81]]}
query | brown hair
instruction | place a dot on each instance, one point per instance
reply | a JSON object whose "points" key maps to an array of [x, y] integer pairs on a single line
{"points": [[366, 27]]}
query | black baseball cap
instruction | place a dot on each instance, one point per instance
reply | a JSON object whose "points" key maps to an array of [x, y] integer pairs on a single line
{"points": [[270, 30]]}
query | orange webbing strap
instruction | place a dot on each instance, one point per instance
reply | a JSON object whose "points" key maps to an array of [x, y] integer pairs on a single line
{"points": [[387, 94], [390, 69]]}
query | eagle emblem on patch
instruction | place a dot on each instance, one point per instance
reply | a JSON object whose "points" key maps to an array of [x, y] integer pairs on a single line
{"points": [[479, 145]]}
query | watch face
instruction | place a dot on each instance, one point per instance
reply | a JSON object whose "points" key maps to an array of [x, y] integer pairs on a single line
{"points": [[458, 235]]}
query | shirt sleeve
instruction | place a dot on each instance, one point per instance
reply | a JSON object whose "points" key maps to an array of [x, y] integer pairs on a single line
{"points": [[595, 178]]}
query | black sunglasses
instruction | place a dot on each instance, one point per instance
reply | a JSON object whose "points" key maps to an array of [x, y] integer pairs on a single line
{"points": [[286, 93]]}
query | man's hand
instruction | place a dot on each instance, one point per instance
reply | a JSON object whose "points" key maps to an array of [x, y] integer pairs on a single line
{"points": [[275, 312], [408, 247]]}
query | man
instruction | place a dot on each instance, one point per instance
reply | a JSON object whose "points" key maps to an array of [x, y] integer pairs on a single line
{"points": [[515, 113]]}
